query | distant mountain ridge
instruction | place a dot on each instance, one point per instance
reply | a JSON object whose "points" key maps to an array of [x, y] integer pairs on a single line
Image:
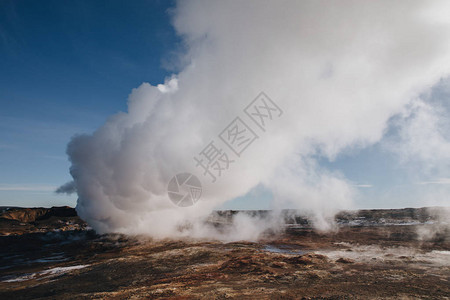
{"points": [[36, 214], [364, 217]]}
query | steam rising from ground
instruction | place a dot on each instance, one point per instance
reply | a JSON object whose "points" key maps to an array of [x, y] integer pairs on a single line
{"points": [[339, 70], [438, 230]]}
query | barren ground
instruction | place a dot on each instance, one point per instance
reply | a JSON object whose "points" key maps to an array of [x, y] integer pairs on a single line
{"points": [[375, 262]]}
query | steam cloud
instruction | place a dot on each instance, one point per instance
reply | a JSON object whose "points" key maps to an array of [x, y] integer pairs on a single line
{"points": [[338, 69], [67, 188]]}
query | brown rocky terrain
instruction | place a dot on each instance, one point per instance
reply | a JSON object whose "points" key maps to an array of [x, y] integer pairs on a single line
{"points": [[36, 214], [59, 257], [17, 220]]}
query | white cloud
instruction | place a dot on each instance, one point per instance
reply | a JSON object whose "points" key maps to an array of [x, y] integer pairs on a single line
{"points": [[423, 136], [437, 181], [339, 70], [27, 187]]}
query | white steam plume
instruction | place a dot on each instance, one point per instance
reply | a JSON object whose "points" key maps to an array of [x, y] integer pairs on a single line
{"points": [[67, 188], [338, 69]]}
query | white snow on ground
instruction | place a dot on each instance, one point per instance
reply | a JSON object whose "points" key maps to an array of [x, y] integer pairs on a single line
{"points": [[372, 253], [46, 273]]}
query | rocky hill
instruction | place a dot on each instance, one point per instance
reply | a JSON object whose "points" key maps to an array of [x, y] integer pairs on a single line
{"points": [[19, 220], [35, 214]]}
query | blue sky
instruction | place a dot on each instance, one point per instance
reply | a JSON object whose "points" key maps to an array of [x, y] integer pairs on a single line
{"points": [[65, 66]]}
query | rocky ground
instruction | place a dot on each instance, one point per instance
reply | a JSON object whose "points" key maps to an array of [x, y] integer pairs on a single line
{"points": [[54, 255]]}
